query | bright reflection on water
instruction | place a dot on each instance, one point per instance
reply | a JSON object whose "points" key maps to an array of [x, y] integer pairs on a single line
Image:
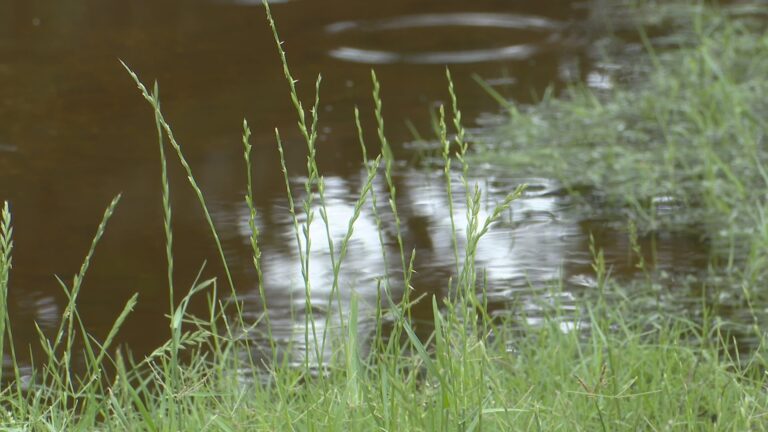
{"points": [[485, 20], [534, 257], [481, 24], [522, 254], [357, 55]]}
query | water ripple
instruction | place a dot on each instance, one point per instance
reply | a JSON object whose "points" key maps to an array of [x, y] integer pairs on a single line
{"points": [[486, 20], [358, 55], [516, 51]]}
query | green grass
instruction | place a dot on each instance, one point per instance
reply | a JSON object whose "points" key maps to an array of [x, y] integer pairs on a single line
{"points": [[690, 132], [682, 147], [602, 367]]}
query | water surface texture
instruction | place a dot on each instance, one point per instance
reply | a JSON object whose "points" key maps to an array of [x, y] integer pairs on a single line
{"points": [[74, 132]]}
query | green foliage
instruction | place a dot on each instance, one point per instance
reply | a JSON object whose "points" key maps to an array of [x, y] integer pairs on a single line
{"points": [[688, 135]]}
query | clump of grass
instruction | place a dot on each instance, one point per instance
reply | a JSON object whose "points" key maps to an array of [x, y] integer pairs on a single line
{"points": [[604, 370], [679, 148], [688, 135]]}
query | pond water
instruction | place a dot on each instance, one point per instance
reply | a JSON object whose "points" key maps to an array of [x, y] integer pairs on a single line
{"points": [[74, 132]]}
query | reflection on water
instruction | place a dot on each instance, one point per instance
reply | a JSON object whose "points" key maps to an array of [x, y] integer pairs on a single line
{"points": [[357, 55], [525, 250], [535, 246], [403, 28], [483, 20]]}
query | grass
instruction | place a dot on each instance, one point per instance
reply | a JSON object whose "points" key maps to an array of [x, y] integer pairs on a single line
{"points": [[600, 368], [680, 148], [689, 134]]}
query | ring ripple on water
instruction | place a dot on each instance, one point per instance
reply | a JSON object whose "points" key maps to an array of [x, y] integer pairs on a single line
{"points": [[518, 51]]}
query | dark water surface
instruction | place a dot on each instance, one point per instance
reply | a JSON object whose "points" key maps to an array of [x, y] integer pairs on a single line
{"points": [[74, 132]]}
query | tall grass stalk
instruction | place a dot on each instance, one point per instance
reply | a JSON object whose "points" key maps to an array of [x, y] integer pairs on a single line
{"points": [[388, 156], [66, 332], [172, 140], [6, 258], [309, 131], [254, 238]]}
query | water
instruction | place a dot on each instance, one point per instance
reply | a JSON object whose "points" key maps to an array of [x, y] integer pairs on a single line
{"points": [[74, 132]]}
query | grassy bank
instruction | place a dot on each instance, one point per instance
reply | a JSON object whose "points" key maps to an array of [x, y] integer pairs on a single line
{"points": [[600, 367], [682, 145]]}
